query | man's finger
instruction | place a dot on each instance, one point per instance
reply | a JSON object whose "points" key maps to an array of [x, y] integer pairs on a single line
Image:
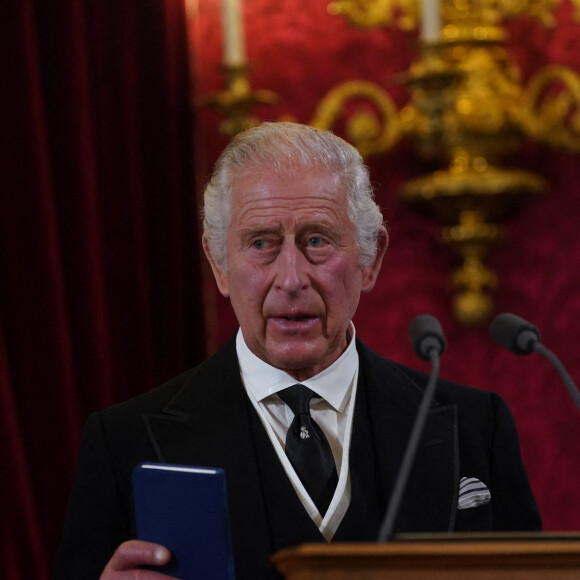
{"points": [[135, 553]]}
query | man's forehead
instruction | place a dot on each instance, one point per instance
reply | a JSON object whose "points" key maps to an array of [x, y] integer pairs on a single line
{"points": [[296, 204], [266, 187]]}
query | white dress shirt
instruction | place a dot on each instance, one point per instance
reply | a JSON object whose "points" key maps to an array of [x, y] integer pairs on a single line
{"points": [[333, 413]]}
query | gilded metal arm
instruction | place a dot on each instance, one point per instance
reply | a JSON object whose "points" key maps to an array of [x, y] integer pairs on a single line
{"points": [[372, 133]]}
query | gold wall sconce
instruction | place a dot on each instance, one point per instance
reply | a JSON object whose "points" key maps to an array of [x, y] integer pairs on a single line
{"points": [[468, 109]]}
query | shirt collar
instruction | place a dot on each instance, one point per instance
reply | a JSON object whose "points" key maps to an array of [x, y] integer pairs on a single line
{"points": [[333, 383]]}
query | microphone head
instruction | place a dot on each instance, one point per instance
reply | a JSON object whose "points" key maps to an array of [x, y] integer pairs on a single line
{"points": [[514, 333], [426, 334]]}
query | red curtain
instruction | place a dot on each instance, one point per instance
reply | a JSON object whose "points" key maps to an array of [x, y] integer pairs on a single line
{"points": [[99, 264]]}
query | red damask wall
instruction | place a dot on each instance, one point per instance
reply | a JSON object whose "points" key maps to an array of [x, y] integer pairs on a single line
{"points": [[299, 51]]}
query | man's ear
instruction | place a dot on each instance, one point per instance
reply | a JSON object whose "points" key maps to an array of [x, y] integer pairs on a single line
{"points": [[220, 275], [370, 273]]}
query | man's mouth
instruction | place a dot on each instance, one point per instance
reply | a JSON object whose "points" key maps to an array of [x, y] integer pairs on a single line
{"points": [[296, 322]]}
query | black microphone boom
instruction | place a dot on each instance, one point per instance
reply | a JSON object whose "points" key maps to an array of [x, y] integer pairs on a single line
{"points": [[429, 343], [522, 337]]}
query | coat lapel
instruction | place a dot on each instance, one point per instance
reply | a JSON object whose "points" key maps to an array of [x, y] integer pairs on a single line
{"points": [[208, 423], [430, 500]]}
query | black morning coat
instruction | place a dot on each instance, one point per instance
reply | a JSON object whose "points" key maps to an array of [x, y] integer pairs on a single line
{"points": [[204, 418]]}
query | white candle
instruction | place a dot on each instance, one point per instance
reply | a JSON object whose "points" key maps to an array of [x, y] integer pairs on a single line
{"points": [[233, 32], [430, 20]]}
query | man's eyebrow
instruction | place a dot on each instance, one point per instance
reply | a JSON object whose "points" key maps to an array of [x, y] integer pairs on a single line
{"points": [[250, 231], [313, 227]]}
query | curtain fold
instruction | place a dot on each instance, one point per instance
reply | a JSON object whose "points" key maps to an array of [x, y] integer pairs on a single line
{"points": [[99, 275], [20, 522]]}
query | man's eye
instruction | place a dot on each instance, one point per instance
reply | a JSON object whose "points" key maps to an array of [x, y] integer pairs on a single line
{"points": [[261, 244], [315, 242]]}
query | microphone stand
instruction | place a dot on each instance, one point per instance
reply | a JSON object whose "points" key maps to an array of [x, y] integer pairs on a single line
{"points": [[386, 531], [566, 378]]}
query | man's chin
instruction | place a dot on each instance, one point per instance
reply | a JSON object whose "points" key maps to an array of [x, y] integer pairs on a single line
{"points": [[299, 360]]}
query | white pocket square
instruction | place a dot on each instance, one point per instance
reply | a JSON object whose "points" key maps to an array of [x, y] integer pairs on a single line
{"points": [[472, 493]]}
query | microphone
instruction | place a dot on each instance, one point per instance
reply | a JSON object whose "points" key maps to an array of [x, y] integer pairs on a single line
{"points": [[425, 333], [429, 344], [523, 338], [514, 333]]}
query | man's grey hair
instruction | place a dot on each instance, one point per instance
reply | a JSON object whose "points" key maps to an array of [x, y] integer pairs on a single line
{"points": [[289, 149]]}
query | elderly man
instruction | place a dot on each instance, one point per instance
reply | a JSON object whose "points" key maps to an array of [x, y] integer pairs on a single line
{"points": [[308, 423]]}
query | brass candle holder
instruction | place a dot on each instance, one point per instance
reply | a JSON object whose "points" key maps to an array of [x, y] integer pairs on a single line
{"points": [[238, 101], [464, 123]]}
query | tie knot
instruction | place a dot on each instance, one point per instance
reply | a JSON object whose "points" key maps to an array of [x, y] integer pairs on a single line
{"points": [[297, 397]]}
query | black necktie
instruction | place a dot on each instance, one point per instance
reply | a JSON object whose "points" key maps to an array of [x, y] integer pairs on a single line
{"points": [[307, 448]]}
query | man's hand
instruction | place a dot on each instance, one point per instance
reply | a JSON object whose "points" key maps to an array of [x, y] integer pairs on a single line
{"points": [[129, 556]]}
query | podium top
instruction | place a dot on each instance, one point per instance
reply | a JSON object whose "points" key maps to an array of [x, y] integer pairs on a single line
{"points": [[490, 537], [485, 556]]}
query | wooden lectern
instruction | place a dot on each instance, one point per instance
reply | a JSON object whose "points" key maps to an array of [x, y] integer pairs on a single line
{"points": [[498, 556]]}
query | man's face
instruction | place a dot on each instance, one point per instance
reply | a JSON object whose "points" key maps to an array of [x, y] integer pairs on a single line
{"points": [[293, 273]]}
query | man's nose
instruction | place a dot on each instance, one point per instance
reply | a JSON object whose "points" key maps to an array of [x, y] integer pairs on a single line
{"points": [[291, 275]]}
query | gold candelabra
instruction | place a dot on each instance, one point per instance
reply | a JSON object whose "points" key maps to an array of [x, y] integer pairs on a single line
{"points": [[467, 110]]}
